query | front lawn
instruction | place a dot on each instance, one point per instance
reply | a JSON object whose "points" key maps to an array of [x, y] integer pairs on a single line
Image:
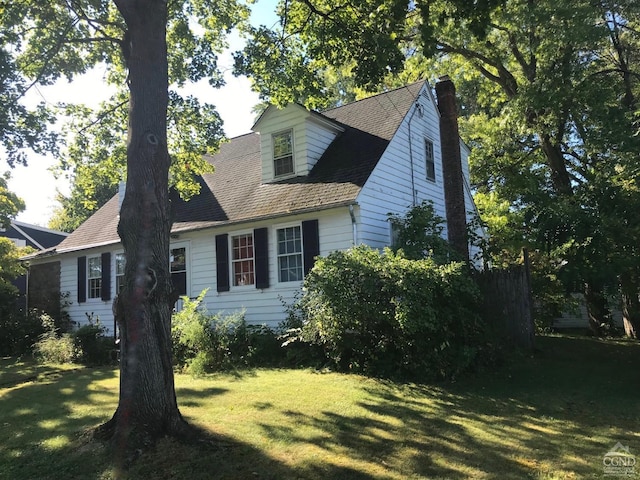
{"points": [[553, 415]]}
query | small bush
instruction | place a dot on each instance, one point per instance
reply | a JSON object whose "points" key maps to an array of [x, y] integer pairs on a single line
{"points": [[54, 348], [204, 342], [96, 348]]}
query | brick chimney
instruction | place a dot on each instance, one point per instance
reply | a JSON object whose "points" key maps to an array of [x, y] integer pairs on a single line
{"points": [[452, 167]]}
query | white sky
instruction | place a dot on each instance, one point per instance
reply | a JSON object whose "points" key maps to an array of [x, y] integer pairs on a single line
{"points": [[36, 185]]}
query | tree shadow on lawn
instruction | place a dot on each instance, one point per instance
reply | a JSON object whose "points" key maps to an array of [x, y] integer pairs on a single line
{"points": [[554, 413], [46, 436]]}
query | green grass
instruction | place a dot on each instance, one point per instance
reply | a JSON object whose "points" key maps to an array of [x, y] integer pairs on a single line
{"points": [[552, 415]]}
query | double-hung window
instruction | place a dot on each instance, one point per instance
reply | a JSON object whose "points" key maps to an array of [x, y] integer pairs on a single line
{"points": [[120, 264], [289, 241], [94, 277], [242, 259], [283, 153], [430, 163]]}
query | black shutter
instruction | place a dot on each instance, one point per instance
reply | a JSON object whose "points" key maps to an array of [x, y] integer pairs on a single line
{"points": [[82, 279], [105, 284], [222, 262], [261, 252], [311, 243]]}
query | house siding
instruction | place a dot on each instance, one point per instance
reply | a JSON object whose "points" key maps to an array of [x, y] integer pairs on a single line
{"points": [[389, 188], [261, 306]]}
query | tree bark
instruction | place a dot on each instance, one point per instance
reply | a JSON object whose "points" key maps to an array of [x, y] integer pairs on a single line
{"points": [[597, 308], [630, 304], [147, 407]]}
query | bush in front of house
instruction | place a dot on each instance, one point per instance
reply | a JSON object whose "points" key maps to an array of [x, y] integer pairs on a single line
{"points": [[383, 314], [53, 347], [205, 342], [95, 347], [87, 345]]}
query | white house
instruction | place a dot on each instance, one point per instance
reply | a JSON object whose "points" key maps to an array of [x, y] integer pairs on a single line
{"points": [[303, 184]]}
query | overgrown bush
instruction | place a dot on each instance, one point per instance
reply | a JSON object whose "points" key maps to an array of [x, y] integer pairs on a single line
{"points": [[205, 342], [94, 346], [18, 331], [87, 345], [52, 347], [383, 314]]}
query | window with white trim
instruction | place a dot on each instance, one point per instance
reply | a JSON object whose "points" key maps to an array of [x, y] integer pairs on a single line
{"points": [[94, 277], [242, 260], [289, 244], [282, 153], [120, 264], [430, 163]]}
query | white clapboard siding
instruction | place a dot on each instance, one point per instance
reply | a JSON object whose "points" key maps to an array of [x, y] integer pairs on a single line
{"points": [[402, 169]]}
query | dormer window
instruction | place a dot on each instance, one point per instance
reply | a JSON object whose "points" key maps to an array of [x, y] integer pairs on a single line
{"points": [[283, 153]]}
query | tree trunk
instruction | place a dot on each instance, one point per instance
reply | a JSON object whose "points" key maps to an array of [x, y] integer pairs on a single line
{"points": [[147, 405], [597, 308], [630, 304]]}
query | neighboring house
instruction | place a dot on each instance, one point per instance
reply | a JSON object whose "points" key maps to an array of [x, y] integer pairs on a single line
{"points": [[303, 184], [38, 238]]}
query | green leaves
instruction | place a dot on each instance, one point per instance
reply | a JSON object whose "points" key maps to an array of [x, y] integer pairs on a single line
{"points": [[385, 314]]}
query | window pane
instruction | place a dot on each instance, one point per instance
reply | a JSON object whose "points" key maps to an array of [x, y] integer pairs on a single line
{"points": [[178, 259], [289, 254], [430, 164], [283, 153], [242, 259], [120, 263], [95, 267]]}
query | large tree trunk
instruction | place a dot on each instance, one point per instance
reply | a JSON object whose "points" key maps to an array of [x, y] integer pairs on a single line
{"points": [[597, 308], [147, 406], [630, 304]]}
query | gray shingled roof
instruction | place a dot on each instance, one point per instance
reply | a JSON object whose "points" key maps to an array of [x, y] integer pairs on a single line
{"points": [[234, 193]]}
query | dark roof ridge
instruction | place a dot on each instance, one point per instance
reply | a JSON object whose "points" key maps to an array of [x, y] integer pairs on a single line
{"points": [[387, 92]]}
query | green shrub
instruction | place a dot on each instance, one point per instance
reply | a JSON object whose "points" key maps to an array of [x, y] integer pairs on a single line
{"points": [[204, 342], [383, 314], [54, 348], [18, 332], [94, 346]]}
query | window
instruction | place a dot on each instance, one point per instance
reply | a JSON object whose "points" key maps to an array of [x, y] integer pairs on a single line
{"points": [[430, 163], [178, 269], [94, 277], [289, 254], [283, 153], [242, 260], [120, 263]]}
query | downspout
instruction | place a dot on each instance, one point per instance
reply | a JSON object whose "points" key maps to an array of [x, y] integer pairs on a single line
{"points": [[354, 224]]}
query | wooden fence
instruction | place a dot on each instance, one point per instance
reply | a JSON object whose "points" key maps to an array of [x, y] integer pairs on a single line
{"points": [[509, 304]]}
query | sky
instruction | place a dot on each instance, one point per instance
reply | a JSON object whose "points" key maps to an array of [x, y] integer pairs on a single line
{"points": [[36, 184]]}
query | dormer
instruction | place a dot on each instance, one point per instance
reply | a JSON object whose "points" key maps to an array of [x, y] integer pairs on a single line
{"points": [[292, 139]]}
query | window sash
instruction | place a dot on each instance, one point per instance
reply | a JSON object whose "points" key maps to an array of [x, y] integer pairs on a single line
{"points": [[283, 153], [430, 163], [289, 240], [94, 277], [242, 260]]}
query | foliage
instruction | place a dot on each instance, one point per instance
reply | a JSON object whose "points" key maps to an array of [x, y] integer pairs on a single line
{"points": [[18, 331], [419, 234], [52, 347], [384, 314], [94, 346], [204, 342]]}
